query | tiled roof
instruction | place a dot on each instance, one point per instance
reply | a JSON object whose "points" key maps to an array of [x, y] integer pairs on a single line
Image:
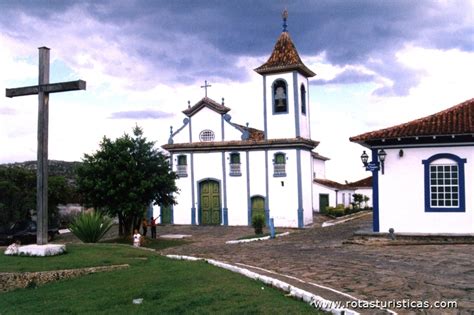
{"points": [[206, 102], [254, 134], [366, 182], [319, 156], [242, 145], [457, 120], [330, 183], [284, 58]]}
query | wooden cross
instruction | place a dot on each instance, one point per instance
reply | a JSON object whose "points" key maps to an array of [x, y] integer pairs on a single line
{"points": [[205, 86], [43, 89]]}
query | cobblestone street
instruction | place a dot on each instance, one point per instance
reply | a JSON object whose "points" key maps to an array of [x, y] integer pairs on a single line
{"points": [[317, 255]]}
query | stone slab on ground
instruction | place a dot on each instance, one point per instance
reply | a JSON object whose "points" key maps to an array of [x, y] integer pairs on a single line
{"points": [[42, 250], [373, 238], [174, 236]]}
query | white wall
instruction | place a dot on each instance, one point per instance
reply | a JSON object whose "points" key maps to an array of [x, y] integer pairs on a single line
{"points": [[321, 189], [319, 167], [304, 119], [367, 192], [401, 194], [206, 119], [283, 191], [280, 125], [307, 187], [237, 192]]}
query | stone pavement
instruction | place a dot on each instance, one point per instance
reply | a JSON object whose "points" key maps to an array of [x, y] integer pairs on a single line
{"points": [[318, 255]]}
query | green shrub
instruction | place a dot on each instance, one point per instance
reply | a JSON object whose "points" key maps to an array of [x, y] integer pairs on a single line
{"points": [[90, 227], [258, 222], [335, 212]]}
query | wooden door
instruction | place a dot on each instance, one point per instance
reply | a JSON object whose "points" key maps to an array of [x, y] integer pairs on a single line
{"points": [[210, 203], [323, 202], [258, 206]]}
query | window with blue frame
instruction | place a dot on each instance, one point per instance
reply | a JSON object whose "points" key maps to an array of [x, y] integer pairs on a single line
{"points": [[444, 183], [280, 97], [279, 165], [182, 167], [303, 99], [235, 164]]}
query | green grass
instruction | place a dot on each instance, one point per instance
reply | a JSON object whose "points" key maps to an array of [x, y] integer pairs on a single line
{"points": [[167, 286]]}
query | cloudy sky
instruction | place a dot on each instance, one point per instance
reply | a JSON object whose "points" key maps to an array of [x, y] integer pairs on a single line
{"points": [[378, 63]]}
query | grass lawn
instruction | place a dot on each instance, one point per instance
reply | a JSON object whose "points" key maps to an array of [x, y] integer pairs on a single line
{"points": [[166, 286]]}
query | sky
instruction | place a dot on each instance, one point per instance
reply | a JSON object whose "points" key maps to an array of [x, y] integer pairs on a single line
{"points": [[378, 64]]}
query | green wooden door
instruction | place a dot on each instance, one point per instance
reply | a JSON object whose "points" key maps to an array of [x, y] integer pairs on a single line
{"points": [[258, 206], [323, 202], [210, 203], [166, 215]]}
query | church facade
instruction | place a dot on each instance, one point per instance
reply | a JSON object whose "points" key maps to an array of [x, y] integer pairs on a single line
{"points": [[230, 172]]}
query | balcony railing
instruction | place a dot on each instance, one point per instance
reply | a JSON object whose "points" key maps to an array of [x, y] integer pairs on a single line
{"points": [[279, 170], [182, 171], [235, 169]]}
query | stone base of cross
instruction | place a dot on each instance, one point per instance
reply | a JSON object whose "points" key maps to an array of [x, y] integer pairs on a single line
{"points": [[43, 89]]}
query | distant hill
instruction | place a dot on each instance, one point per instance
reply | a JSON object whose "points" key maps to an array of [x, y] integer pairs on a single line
{"points": [[55, 168]]}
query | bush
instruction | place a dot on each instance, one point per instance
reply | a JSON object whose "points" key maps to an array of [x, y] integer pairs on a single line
{"points": [[258, 222], [90, 227]]}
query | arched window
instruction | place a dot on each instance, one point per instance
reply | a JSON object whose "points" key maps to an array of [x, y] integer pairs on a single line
{"points": [[444, 183], [303, 99], [182, 168], [235, 164], [280, 97], [279, 165]]}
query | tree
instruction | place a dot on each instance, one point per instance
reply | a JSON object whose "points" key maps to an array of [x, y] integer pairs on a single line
{"points": [[18, 194], [124, 177], [358, 198]]}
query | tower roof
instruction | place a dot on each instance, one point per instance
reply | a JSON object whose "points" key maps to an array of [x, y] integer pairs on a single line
{"points": [[284, 57]]}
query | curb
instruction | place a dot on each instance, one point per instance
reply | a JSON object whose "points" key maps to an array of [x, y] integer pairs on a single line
{"points": [[349, 218], [256, 239], [293, 291]]}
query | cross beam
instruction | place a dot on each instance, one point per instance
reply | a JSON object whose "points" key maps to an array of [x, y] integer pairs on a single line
{"points": [[42, 90], [47, 88]]}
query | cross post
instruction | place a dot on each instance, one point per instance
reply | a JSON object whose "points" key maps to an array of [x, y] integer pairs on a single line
{"points": [[43, 89], [205, 86]]}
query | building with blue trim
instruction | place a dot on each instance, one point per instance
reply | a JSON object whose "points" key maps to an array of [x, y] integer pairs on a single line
{"points": [[423, 173]]}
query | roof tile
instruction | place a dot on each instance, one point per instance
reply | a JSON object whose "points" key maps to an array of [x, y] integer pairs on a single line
{"points": [[457, 120]]}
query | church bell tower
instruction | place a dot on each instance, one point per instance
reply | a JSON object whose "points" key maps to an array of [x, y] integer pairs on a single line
{"points": [[285, 90]]}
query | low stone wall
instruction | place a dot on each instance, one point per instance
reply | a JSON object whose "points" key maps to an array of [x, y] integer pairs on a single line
{"points": [[15, 280], [372, 238]]}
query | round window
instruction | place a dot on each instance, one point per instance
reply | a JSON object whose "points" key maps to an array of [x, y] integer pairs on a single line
{"points": [[207, 135]]}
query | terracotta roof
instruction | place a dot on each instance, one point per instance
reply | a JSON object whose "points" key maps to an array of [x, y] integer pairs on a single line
{"points": [[365, 182], [254, 134], [330, 183], [242, 145], [206, 102], [319, 156], [284, 58], [457, 120]]}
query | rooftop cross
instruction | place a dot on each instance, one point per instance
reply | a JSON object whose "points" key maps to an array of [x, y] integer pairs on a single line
{"points": [[205, 86], [43, 89], [284, 15]]}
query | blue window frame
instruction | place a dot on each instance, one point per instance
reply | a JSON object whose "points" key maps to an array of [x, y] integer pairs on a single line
{"points": [[303, 99], [444, 183], [235, 164], [279, 165]]}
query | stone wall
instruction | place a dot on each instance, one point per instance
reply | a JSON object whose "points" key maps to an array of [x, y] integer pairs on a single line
{"points": [[15, 280]]}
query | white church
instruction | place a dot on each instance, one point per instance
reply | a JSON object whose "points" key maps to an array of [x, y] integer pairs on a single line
{"points": [[229, 172]]}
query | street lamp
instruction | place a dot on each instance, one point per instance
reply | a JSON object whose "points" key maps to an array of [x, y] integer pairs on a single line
{"points": [[364, 157], [382, 155]]}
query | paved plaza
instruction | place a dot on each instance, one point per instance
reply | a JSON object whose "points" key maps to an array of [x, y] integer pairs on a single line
{"points": [[318, 255]]}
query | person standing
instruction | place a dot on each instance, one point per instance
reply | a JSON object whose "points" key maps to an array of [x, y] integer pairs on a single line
{"points": [[144, 226], [153, 227]]}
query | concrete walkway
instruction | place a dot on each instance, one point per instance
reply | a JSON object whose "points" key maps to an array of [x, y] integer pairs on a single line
{"points": [[318, 257]]}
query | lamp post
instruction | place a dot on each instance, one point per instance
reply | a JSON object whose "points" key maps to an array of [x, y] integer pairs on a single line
{"points": [[374, 165]]}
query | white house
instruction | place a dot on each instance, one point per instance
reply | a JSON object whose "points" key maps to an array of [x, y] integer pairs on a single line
{"points": [[426, 181], [228, 172]]}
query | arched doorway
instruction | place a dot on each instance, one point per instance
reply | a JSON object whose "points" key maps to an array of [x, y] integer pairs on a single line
{"points": [[258, 206], [209, 202]]}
